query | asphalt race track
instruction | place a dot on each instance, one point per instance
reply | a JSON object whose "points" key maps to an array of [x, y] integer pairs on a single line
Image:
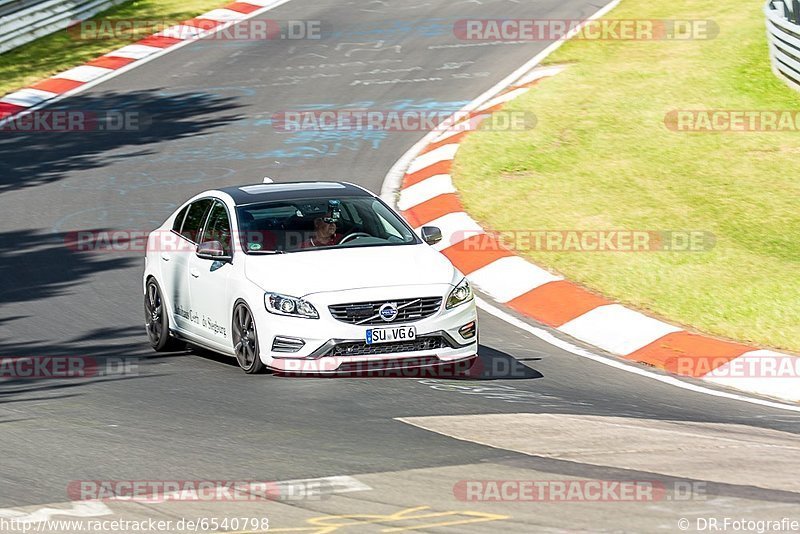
{"points": [[194, 415]]}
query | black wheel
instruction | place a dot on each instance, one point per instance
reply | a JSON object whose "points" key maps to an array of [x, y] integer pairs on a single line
{"points": [[156, 320], [245, 340]]}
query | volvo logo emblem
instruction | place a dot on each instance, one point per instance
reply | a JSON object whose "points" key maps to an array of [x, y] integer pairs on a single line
{"points": [[388, 311]]}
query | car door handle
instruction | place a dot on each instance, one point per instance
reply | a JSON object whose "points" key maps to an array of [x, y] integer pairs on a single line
{"points": [[194, 272]]}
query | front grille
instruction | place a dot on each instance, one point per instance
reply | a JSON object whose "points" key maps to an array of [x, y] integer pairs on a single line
{"points": [[366, 313], [359, 348]]}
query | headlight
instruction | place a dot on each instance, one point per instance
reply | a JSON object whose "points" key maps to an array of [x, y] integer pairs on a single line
{"points": [[460, 294], [291, 306]]}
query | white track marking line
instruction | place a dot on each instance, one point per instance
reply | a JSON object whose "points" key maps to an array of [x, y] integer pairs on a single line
{"points": [[541, 73], [785, 382], [326, 485], [79, 509], [330, 485], [450, 132], [502, 99], [469, 123], [339, 484]]}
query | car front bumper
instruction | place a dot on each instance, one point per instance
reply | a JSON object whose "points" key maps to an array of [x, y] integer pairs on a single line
{"points": [[332, 346]]}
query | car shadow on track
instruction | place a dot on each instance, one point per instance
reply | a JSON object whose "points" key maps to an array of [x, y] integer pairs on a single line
{"points": [[57, 370], [105, 128], [38, 265], [491, 364]]}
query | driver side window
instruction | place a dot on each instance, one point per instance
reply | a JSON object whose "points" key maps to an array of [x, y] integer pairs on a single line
{"points": [[218, 227]]}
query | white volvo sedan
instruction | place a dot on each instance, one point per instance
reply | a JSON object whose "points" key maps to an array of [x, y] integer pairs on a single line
{"points": [[305, 277]]}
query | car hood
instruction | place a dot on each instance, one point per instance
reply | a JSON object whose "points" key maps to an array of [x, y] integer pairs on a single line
{"points": [[299, 274]]}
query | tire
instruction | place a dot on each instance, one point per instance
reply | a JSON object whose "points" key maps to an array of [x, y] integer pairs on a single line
{"points": [[156, 320], [245, 340]]}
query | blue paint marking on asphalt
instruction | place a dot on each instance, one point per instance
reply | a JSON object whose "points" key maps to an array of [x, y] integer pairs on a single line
{"points": [[301, 146], [131, 218], [407, 104], [401, 29], [334, 142], [319, 106], [128, 182], [431, 27]]}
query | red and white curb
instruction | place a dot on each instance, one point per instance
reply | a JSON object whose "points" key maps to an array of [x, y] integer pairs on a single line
{"points": [[428, 197], [128, 57]]}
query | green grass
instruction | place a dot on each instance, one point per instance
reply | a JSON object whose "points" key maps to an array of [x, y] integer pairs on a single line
{"points": [[600, 157], [63, 50]]}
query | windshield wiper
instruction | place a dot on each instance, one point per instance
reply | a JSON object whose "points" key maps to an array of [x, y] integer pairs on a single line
{"points": [[266, 252]]}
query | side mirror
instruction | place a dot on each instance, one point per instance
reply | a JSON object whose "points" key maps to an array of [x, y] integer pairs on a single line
{"points": [[431, 234], [212, 250]]}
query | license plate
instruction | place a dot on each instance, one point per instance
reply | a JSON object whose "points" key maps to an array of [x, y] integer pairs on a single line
{"points": [[388, 335]]}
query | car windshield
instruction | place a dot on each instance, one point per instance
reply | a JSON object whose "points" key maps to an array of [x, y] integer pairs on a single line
{"points": [[302, 225]]}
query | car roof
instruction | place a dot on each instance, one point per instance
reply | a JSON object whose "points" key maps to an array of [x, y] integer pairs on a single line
{"points": [[255, 193]]}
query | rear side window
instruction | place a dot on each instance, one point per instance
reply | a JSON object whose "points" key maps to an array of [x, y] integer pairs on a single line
{"points": [[176, 226], [195, 218]]}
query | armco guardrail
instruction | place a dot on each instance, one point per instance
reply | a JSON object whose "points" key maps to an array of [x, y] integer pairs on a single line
{"points": [[22, 21], [783, 35]]}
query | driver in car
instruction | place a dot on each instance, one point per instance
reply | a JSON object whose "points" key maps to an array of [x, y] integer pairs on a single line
{"points": [[325, 228], [324, 234]]}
